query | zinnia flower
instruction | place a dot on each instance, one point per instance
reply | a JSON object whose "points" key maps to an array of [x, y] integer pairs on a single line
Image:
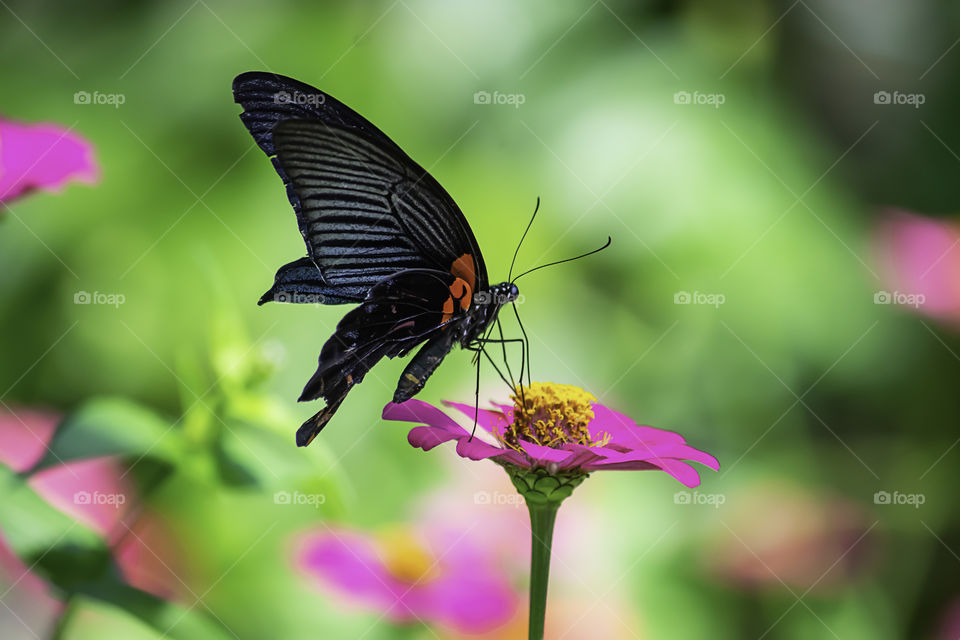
{"points": [[562, 429], [42, 156], [411, 575], [548, 442]]}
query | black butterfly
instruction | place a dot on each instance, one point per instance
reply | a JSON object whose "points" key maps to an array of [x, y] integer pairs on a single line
{"points": [[380, 231]]}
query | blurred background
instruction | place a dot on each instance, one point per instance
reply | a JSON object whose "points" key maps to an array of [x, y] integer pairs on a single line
{"points": [[779, 179]]}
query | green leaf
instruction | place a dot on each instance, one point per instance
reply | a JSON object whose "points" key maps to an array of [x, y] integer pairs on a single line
{"points": [[111, 426], [166, 619]]}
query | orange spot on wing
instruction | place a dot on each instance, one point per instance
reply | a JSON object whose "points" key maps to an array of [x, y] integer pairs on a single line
{"points": [[465, 267], [447, 309], [461, 291]]}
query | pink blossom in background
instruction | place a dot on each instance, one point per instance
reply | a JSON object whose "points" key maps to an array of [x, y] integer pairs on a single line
{"points": [[783, 534], [24, 435], [42, 157], [920, 256], [412, 575], [481, 499], [97, 493]]}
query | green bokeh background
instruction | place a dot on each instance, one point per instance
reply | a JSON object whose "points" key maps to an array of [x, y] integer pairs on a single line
{"points": [[797, 382]]}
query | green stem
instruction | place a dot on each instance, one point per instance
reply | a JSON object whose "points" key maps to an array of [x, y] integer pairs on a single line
{"points": [[542, 517]]}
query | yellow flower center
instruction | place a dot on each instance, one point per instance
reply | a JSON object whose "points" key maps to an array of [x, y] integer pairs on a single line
{"points": [[551, 415], [405, 556]]}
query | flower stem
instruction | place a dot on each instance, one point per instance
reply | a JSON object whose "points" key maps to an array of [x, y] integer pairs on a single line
{"points": [[543, 490], [542, 517]]}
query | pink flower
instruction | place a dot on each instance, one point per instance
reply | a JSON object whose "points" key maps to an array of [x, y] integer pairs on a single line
{"points": [[920, 262], [42, 156], [96, 493], [562, 429], [410, 575]]}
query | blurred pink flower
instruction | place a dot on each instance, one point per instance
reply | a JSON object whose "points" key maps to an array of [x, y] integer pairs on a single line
{"points": [[96, 493], [411, 575], [788, 535], [565, 430], [481, 499], [42, 156], [920, 262]]}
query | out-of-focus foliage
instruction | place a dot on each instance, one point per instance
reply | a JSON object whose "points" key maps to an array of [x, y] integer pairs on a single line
{"points": [[762, 192]]}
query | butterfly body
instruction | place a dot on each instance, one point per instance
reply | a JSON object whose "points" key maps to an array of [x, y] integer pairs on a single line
{"points": [[380, 233]]}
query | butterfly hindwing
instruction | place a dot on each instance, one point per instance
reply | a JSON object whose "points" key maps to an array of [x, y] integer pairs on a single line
{"points": [[301, 282], [399, 313]]}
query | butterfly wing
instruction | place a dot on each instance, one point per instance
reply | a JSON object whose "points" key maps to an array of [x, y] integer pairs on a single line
{"points": [[399, 313], [365, 209]]}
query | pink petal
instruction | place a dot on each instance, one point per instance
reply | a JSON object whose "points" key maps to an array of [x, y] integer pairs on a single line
{"points": [[476, 449], [42, 157], [468, 592], [93, 491], [675, 451], [419, 411], [489, 420], [683, 472], [625, 431], [349, 564], [427, 438], [921, 255], [24, 435]]}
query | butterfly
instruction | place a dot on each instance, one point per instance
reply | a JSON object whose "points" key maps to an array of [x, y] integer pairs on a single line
{"points": [[380, 233]]}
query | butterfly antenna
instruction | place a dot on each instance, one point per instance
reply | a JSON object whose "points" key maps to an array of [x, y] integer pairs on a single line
{"points": [[550, 264], [522, 238]]}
